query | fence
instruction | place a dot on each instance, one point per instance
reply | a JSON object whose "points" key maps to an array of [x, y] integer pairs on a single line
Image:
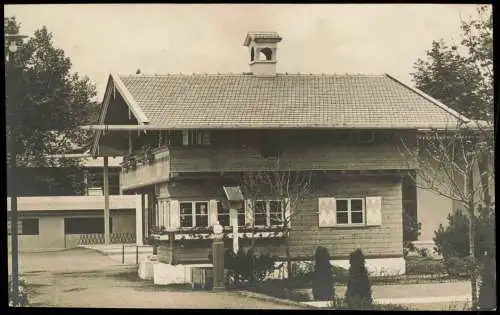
{"points": [[135, 252], [115, 238]]}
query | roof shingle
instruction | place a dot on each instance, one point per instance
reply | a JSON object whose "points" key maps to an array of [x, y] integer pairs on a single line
{"points": [[285, 101]]}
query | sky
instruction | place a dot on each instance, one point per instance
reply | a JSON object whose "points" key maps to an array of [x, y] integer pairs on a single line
{"points": [[208, 38]]}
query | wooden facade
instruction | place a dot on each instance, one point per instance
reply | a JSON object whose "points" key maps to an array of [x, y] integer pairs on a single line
{"points": [[383, 239], [179, 171]]}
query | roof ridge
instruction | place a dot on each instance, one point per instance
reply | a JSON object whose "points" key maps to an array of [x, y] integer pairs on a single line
{"points": [[248, 74]]}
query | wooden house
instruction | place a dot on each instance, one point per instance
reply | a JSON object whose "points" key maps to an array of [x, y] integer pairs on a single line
{"points": [[187, 136]]}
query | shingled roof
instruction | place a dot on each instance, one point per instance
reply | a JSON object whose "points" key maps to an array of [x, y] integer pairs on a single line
{"points": [[182, 101]]}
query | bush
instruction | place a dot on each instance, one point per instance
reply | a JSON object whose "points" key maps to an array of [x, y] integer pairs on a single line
{"points": [[302, 270], [458, 266], [248, 266], [424, 266], [22, 295], [453, 241], [323, 289], [487, 291], [359, 291]]}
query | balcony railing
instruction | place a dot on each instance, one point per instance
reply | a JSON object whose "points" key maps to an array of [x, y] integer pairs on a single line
{"points": [[166, 162], [317, 157], [142, 170]]}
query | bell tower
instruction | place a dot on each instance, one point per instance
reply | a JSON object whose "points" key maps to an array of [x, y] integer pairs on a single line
{"points": [[262, 48]]}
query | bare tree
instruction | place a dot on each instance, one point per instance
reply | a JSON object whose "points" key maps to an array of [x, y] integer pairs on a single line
{"points": [[458, 164], [288, 187]]}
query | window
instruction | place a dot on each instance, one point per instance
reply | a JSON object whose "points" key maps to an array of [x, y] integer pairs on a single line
{"points": [[194, 214], [224, 217], [24, 227], [260, 213], [344, 137], [275, 213], [91, 225], [169, 137], [201, 217], [268, 212], [350, 211], [30, 227], [365, 137], [186, 214], [266, 54], [95, 183], [195, 137]]}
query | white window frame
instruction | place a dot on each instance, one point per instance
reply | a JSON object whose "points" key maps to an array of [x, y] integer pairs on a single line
{"points": [[219, 204], [228, 214], [349, 211], [268, 211], [193, 213]]}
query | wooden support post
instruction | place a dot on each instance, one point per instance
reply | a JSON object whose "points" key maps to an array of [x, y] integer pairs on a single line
{"points": [[233, 215], [139, 210], [130, 142], [106, 202]]}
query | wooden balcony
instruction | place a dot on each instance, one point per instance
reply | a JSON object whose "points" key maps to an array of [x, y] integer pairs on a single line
{"points": [[144, 173], [319, 157], [175, 160]]}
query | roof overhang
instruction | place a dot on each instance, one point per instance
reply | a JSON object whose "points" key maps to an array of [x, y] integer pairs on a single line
{"points": [[116, 85]]}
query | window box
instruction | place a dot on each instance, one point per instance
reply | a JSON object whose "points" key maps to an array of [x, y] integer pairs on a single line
{"points": [[207, 233]]}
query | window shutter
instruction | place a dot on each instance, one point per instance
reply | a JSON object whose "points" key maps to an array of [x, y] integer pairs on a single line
{"points": [[327, 212], [206, 137], [249, 212], [160, 213], [185, 137], [287, 213], [212, 212], [166, 213], [373, 211], [175, 220]]}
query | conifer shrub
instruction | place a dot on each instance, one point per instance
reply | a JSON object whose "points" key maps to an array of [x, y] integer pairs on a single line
{"points": [[359, 291], [323, 287]]}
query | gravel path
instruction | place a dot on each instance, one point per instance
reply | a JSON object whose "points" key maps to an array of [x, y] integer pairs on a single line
{"points": [[85, 278]]}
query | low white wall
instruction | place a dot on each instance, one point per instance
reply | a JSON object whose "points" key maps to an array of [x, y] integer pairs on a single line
{"points": [[169, 274], [378, 266], [164, 274]]}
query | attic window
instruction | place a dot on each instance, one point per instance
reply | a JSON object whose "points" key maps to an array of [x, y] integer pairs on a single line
{"points": [[195, 137], [252, 54], [266, 54]]}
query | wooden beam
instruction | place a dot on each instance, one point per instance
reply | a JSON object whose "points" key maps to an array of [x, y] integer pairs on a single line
{"points": [[106, 202]]}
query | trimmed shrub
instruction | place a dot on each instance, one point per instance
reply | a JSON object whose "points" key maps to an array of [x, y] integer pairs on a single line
{"points": [[359, 291], [323, 289], [488, 289]]}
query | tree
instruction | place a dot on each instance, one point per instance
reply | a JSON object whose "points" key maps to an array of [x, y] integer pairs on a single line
{"points": [[44, 101], [452, 240], [289, 188], [450, 161]]}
